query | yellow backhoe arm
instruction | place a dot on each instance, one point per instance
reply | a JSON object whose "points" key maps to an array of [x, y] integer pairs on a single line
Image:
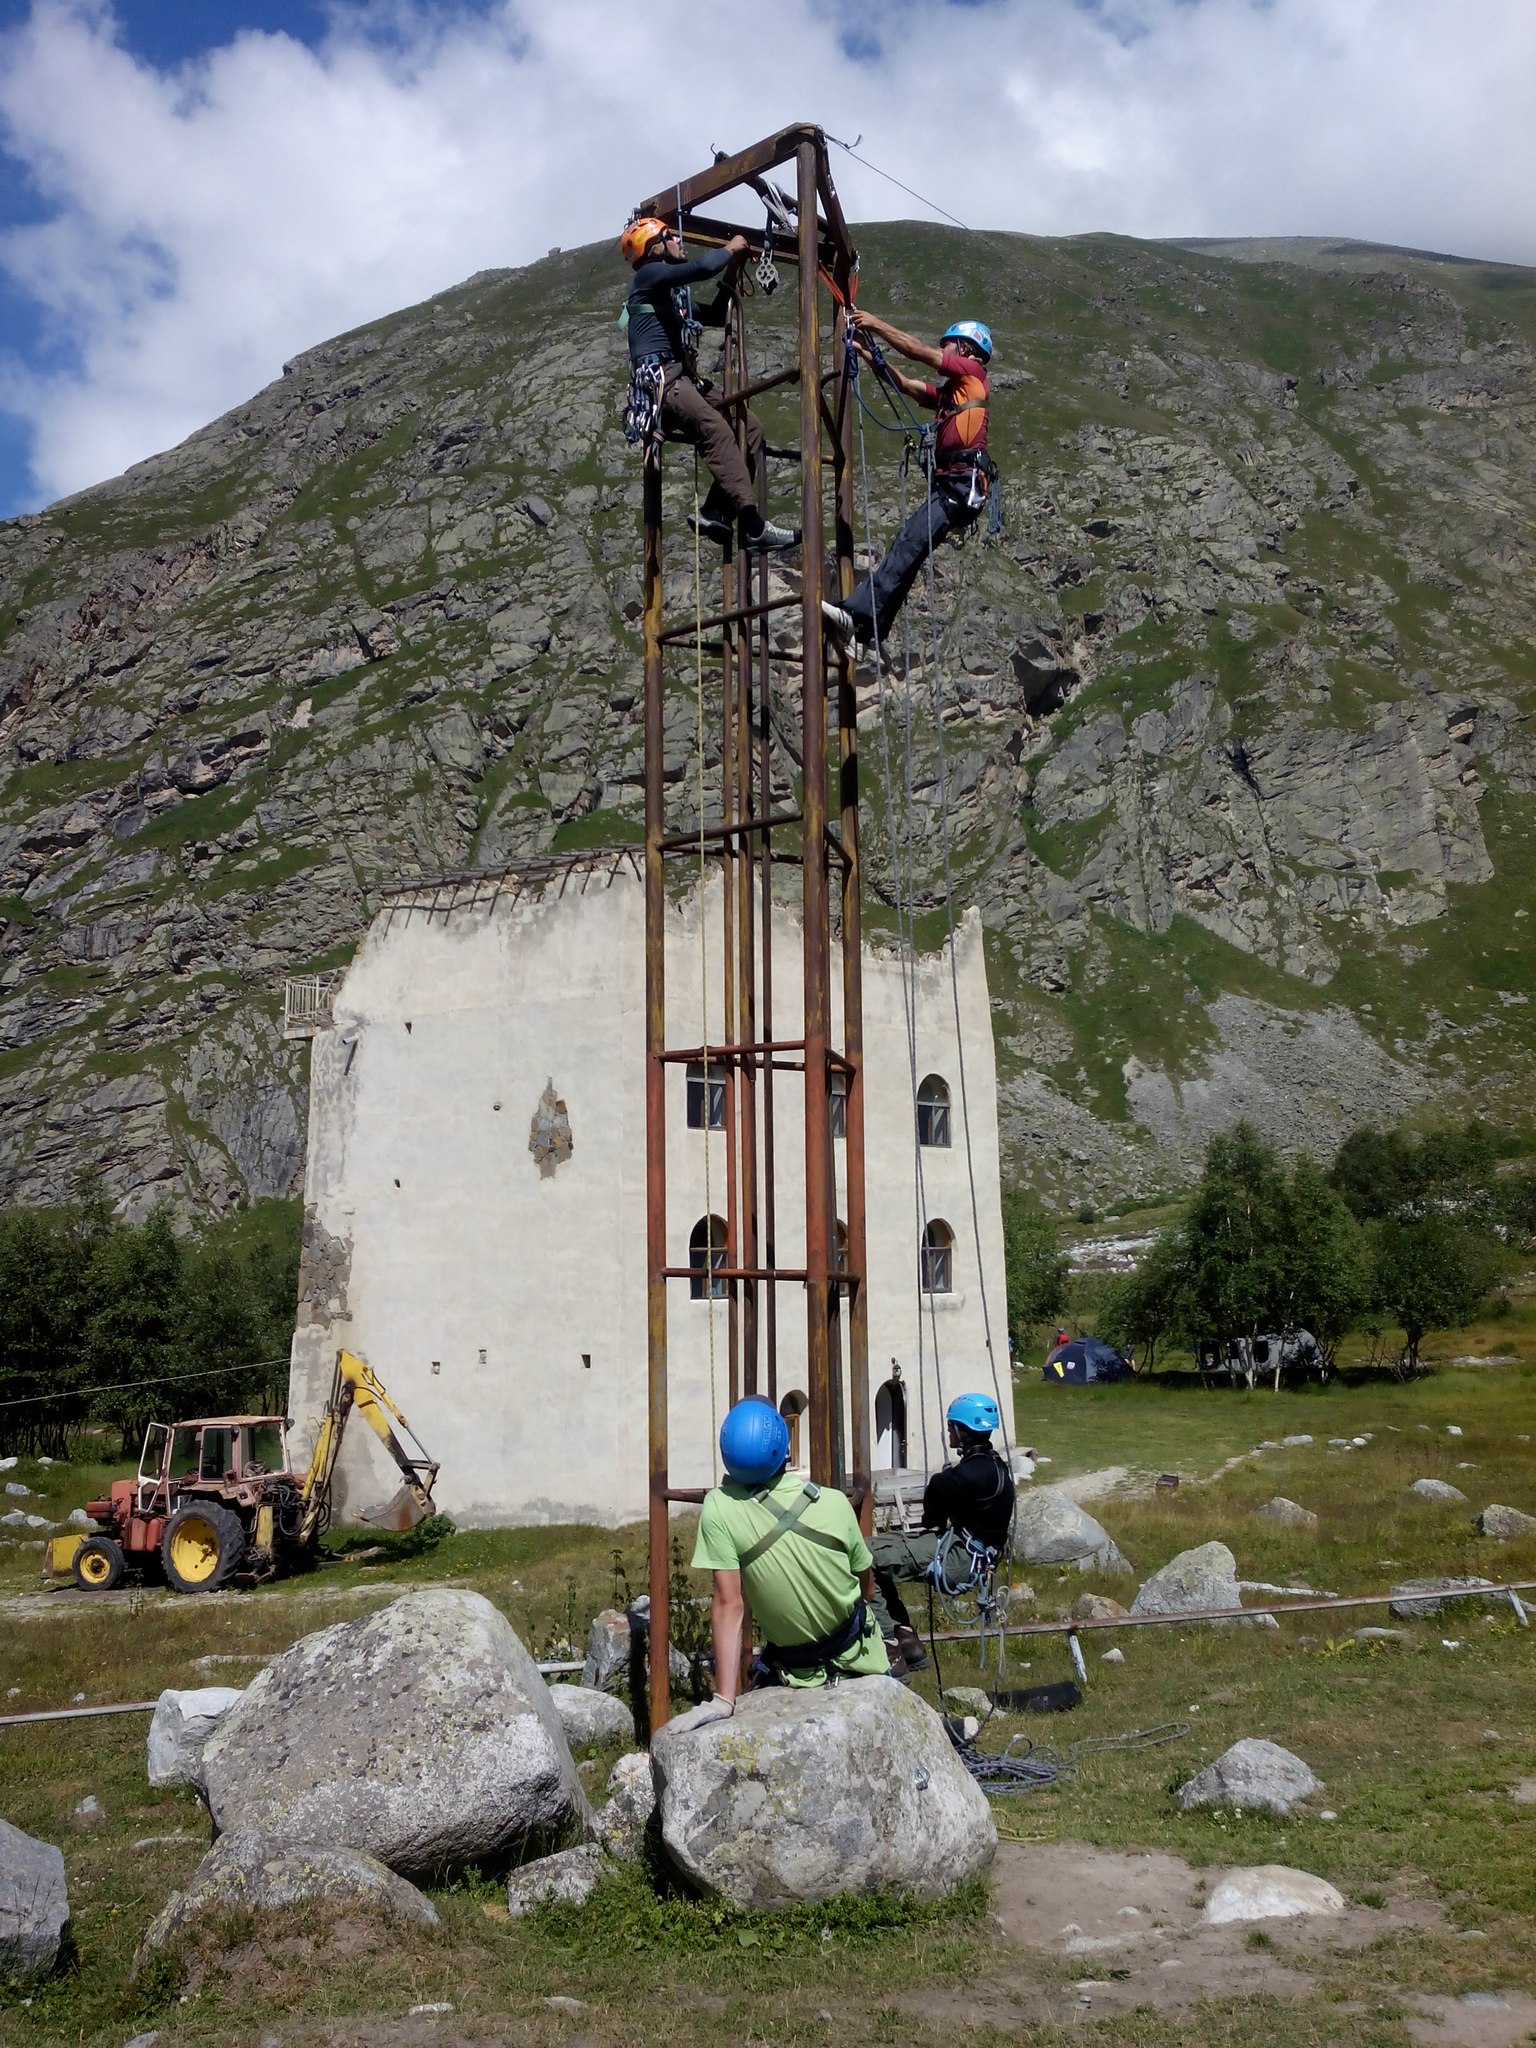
{"points": [[355, 1385]]}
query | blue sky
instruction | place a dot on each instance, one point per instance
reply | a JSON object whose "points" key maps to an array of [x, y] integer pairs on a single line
{"points": [[190, 193]]}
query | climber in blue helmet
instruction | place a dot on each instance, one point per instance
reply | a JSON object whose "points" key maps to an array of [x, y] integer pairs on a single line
{"points": [[973, 1496], [790, 1551], [960, 471]]}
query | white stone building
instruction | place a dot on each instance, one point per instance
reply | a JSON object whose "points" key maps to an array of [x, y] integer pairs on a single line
{"points": [[497, 1284]]}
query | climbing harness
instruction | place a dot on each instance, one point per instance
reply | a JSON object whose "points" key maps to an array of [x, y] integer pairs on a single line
{"points": [[963, 1579]]}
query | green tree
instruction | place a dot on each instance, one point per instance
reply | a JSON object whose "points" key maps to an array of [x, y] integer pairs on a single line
{"points": [[132, 1331], [1037, 1269], [46, 1262], [1431, 1273]]}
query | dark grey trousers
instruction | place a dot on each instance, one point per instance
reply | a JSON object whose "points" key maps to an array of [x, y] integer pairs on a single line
{"points": [[898, 1555], [879, 596]]}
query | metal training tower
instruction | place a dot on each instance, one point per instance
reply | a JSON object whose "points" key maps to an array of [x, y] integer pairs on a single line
{"points": [[749, 840]]}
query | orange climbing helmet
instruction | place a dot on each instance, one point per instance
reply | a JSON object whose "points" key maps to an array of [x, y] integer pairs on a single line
{"points": [[638, 237]]}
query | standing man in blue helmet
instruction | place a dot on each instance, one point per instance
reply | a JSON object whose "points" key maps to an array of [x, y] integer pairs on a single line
{"points": [[794, 1554], [973, 1497], [960, 477]]}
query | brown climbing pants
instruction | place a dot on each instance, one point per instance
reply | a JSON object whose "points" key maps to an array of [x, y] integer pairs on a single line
{"points": [[688, 415]]}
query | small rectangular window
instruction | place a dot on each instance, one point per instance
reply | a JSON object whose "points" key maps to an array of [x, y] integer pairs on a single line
{"points": [[706, 1097], [837, 1104]]}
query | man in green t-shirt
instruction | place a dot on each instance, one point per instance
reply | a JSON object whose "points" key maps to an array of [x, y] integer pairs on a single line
{"points": [[790, 1551]]}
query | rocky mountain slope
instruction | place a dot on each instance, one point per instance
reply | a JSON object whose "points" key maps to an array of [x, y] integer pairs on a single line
{"points": [[1235, 718]]}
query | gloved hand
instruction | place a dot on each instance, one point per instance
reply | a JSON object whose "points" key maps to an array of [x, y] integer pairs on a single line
{"points": [[713, 1709]]}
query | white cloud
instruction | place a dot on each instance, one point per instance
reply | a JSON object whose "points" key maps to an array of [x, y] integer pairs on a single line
{"points": [[203, 225]]}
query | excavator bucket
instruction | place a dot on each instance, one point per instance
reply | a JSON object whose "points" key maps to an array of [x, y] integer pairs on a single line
{"points": [[402, 1513]]}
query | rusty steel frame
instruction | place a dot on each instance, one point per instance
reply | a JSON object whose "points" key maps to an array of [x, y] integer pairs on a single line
{"points": [[741, 844]]}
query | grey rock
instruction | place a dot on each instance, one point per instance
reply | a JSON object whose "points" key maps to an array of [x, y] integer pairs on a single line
{"points": [[1504, 1524], [607, 1658], [1269, 1891], [1440, 1490], [807, 1793], [1414, 1599], [1288, 1513], [1380, 1635], [1294, 1443], [181, 1726], [568, 1878], [588, 1715], [970, 1699], [1252, 1775], [1097, 1607], [1050, 1528], [79, 1519], [89, 1813], [620, 1825], [423, 1735], [258, 1872], [34, 1904], [15, 1488], [1195, 1580]]}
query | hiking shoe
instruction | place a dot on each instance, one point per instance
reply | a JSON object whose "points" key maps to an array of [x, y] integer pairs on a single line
{"points": [[717, 530], [839, 622], [910, 1644], [769, 537], [898, 1662]]}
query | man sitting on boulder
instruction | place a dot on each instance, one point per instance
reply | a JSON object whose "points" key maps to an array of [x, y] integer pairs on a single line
{"points": [[790, 1552], [973, 1497]]}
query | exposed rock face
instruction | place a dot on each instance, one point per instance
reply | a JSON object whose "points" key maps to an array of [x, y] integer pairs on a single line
{"points": [[607, 1659], [179, 1731], [587, 1715], [1050, 1528], [1252, 1774], [1289, 1514], [568, 1878], [1440, 1490], [1194, 1581], [423, 1735], [1269, 1891], [1505, 1524], [802, 1795], [380, 620], [34, 1904], [259, 1873]]}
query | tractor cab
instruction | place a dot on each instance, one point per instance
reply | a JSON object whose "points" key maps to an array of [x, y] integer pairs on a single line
{"points": [[227, 1456]]}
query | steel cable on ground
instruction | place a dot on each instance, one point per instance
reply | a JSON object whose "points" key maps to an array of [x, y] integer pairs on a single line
{"points": [[905, 944]]}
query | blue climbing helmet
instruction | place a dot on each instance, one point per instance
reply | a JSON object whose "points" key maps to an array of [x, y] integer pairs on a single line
{"points": [[754, 1441], [979, 335], [972, 1411]]}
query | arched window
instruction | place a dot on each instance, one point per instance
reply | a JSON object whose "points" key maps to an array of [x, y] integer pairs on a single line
{"points": [[938, 1259], [933, 1112], [792, 1408], [706, 1097], [706, 1254], [891, 1427]]}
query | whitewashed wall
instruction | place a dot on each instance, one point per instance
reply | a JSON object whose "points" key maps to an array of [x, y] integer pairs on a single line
{"points": [[505, 1310]]}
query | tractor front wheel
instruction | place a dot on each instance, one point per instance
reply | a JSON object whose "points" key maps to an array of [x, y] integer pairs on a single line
{"points": [[98, 1564], [202, 1547]]}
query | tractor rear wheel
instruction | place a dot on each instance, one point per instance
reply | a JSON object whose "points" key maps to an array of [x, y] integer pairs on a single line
{"points": [[202, 1547], [98, 1564]]}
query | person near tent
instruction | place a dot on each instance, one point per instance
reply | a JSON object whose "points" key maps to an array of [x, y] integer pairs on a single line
{"points": [[792, 1555], [960, 471], [666, 392], [973, 1498]]}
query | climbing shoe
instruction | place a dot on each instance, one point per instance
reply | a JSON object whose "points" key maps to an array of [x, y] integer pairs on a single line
{"points": [[769, 538], [910, 1644], [839, 622], [717, 530]]}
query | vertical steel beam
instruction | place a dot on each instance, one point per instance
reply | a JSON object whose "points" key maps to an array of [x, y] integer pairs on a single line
{"points": [[745, 854], [815, 905], [656, 1102]]}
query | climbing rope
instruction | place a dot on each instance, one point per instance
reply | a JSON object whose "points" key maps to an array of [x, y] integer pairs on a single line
{"points": [[1009, 1771]]}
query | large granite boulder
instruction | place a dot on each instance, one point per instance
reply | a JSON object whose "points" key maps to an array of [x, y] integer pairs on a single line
{"points": [[34, 1905], [1290, 1514], [1439, 1490], [423, 1735], [183, 1722], [588, 1715], [1505, 1524], [1419, 1599], [1050, 1528], [568, 1878], [250, 1870], [1194, 1582], [806, 1793], [1252, 1775]]}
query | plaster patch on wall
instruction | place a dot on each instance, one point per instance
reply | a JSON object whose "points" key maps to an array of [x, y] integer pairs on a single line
{"points": [[325, 1271], [549, 1135]]}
